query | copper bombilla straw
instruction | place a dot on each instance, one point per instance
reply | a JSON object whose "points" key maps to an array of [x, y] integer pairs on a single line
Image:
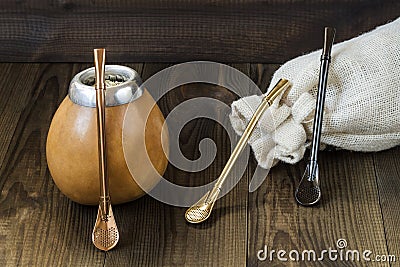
{"points": [[105, 234], [99, 62]]}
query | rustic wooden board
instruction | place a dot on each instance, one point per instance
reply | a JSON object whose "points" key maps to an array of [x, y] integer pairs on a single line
{"points": [[168, 31], [387, 169], [349, 207], [41, 227]]}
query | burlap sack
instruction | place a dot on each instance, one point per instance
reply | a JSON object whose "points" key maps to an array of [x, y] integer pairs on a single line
{"points": [[362, 106]]}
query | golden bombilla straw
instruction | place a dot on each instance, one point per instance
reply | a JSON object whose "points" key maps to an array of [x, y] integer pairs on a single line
{"points": [[105, 234], [201, 210]]}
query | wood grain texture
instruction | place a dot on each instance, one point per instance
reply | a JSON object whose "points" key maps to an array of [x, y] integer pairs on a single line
{"points": [[267, 31], [41, 227], [387, 170], [349, 207]]}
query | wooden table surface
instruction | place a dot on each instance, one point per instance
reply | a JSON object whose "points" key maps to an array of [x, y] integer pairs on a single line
{"points": [[39, 226]]}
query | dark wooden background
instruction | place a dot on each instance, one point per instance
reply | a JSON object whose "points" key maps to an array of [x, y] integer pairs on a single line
{"points": [[269, 31], [39, 226]]}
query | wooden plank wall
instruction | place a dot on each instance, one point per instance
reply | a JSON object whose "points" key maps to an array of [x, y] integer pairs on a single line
{"points": [[269, 31]]}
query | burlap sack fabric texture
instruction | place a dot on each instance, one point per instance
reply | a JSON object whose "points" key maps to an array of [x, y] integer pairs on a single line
{"points": [[362, 106]]}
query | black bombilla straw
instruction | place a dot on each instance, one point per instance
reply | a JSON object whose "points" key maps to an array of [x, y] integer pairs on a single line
{"points": [[308, 192], [319, 110]]}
